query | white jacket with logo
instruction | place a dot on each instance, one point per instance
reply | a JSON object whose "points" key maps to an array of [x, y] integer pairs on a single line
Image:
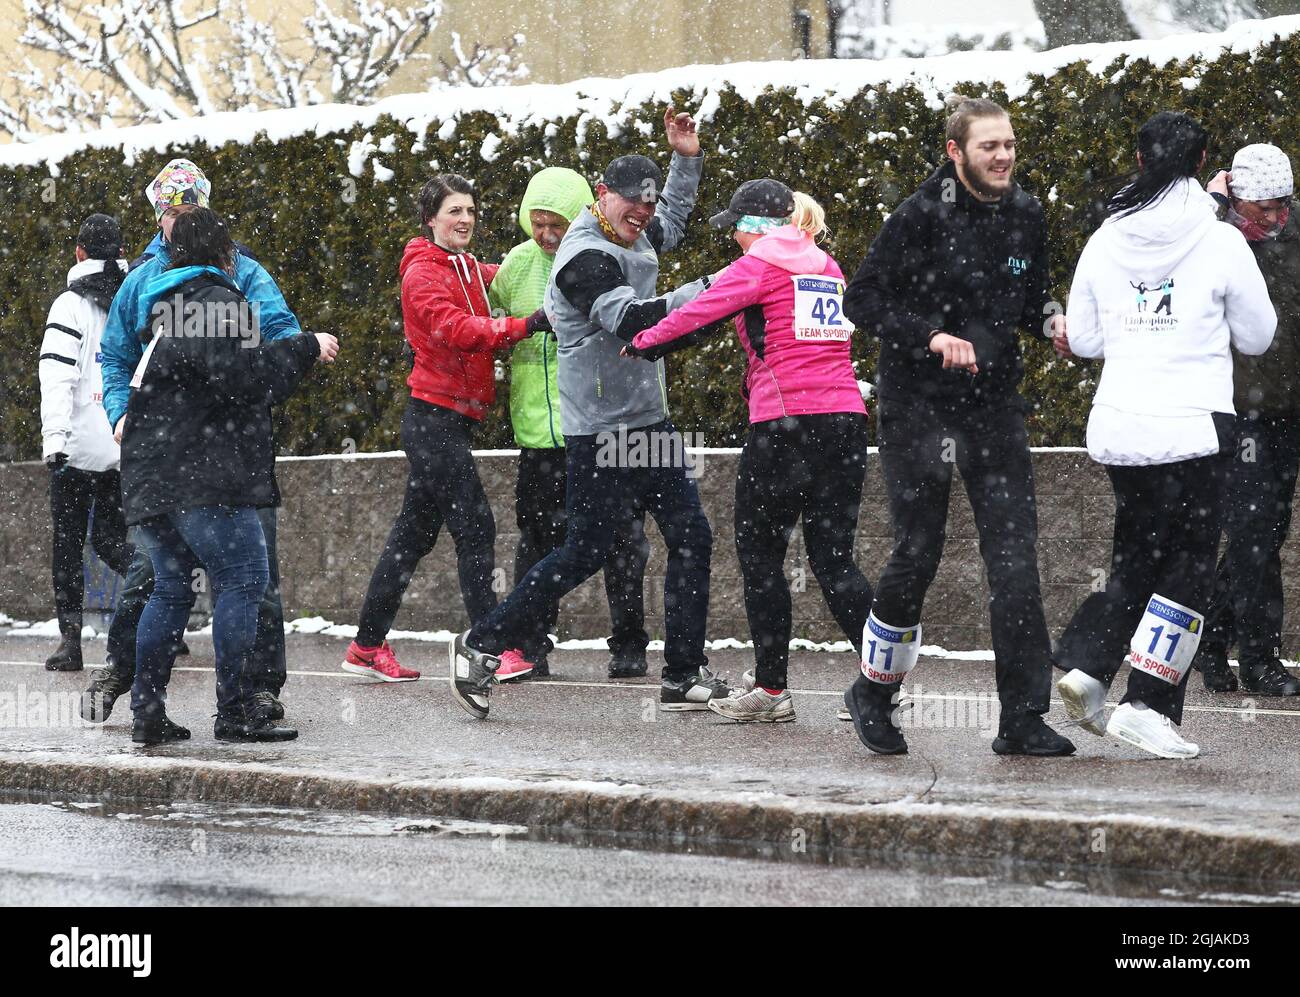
{"points": [[1163, 294], [72, 385]]}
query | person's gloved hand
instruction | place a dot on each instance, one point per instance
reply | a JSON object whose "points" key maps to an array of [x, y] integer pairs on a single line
{"points": [[537, 322], [651, 353], [56, 460]]}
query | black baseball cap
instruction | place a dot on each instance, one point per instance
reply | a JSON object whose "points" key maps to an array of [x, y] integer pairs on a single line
{"points": [[101, 237], [766, 198], [638, 178]]}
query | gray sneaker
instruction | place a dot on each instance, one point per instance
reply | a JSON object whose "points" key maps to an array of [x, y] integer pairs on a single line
{"points": [[472, 675], [755, 706], [748, 680]]}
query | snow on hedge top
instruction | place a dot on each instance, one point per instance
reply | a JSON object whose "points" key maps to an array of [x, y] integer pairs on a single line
{"points": [[611, 101]]}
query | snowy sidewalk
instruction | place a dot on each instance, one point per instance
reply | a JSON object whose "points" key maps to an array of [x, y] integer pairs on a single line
{"points": [[579, 752]]}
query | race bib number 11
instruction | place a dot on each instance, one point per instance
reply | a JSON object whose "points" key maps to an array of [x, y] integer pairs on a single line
{"points": [[819, 309]]}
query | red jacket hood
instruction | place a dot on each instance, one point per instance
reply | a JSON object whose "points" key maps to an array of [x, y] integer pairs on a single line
{"points": [[421, 250], [790, 249]]}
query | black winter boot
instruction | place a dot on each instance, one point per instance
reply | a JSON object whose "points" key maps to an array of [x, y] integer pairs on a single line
{"points": [[1028, 734], [871, 706], [1269, 680], [67, 658]]}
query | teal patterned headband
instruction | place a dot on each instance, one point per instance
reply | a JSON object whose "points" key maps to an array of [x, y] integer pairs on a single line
{"points": [[759, 225]]}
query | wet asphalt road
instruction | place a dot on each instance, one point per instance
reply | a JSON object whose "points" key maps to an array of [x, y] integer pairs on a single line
{"points": [[196, 854], [579, 725]]}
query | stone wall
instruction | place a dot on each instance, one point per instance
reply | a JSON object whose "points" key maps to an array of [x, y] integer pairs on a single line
{"points": [[337, 512]]}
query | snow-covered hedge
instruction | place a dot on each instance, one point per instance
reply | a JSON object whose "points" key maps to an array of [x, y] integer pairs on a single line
{"points": [[324, 194]]}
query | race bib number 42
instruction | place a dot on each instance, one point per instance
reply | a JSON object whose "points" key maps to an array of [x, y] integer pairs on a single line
{"points": [[819, 309]]}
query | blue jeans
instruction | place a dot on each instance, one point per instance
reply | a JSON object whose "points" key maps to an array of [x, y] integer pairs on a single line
{"points": [[606, 484], [266, 662], [227, 541]]}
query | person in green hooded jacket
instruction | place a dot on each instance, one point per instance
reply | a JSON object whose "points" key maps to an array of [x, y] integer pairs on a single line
{"points": [[554, 197]]}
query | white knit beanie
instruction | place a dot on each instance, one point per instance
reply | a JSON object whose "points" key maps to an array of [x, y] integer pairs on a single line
{"points": [[1261, 172]]}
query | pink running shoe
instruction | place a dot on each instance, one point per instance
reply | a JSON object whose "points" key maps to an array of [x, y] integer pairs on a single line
{"points": [[377, 662], [513, 666]]}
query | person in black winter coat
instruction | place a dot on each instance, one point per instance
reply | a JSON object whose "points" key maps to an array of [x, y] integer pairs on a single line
{"points": [[198, 461], [956, 269]]}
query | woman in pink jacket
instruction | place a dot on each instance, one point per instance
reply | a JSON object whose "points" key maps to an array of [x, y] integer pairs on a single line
{"points": [[805, 455]]}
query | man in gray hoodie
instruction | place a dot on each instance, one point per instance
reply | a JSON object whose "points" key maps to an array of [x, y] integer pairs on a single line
{"points": [[622, 449]]}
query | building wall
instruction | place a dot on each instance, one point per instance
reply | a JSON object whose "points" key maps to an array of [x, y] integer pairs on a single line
{"points": [[565, 39]]}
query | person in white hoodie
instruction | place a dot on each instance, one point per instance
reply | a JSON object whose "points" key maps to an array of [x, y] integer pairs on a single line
{"points": [[1162, 422], [77, 441]]}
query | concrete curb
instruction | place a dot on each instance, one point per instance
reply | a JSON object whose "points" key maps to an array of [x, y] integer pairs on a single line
{"points": [[768, 823]]}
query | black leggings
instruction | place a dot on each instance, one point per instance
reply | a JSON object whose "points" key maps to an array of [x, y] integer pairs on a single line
{"points": [[539, 514], [79, 498], [443, 486], [1167, 523], [811, 466]]}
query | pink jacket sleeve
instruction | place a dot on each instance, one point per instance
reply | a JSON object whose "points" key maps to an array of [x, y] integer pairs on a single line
{"points": [[737, 287]]}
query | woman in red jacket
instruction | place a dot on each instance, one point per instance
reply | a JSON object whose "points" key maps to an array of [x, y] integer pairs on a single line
{"points": [[449, 326]]}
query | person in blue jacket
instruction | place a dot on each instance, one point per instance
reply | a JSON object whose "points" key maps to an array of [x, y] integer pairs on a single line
{"points": [[182, 183]]}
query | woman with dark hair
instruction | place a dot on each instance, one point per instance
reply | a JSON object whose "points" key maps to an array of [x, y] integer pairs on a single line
{"points": [[198, 461], [1162, 424], [449, 324]]}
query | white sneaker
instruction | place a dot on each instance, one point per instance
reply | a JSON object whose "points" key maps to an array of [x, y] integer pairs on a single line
{"points": [[1149, 730], [747, 682], [1085, 701], [755, 706]]}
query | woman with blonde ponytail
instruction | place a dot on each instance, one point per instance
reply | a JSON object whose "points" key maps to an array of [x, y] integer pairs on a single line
{"points": [[806, 452]]}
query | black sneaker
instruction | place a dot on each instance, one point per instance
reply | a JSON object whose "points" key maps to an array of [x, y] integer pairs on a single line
{"points": [[106, 685], [67, 658], [1270, 680], [182, 649], [266, 704], [472, 675], [692, 692], [626, 664], [258, 727], [1028, 734], [158, 731], [1217, 675], [871, 709]]}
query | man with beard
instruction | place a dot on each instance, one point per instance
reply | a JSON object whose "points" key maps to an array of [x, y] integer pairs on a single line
{"points": [[954, 271]]}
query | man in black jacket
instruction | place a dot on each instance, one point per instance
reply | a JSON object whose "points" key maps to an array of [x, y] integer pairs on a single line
{"points": [[954, 271]]}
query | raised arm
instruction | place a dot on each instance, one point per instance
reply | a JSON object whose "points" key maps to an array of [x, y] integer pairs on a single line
{"points": [[1251, 317]]}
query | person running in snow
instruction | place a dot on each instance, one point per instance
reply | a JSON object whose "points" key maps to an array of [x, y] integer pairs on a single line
{"points": [[77, 442], [179, 185], [554, 198], [1247, 606], [1162, 424], [806, 451], [198, 461], [448, 323], [955, 269], [614, 415]]}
